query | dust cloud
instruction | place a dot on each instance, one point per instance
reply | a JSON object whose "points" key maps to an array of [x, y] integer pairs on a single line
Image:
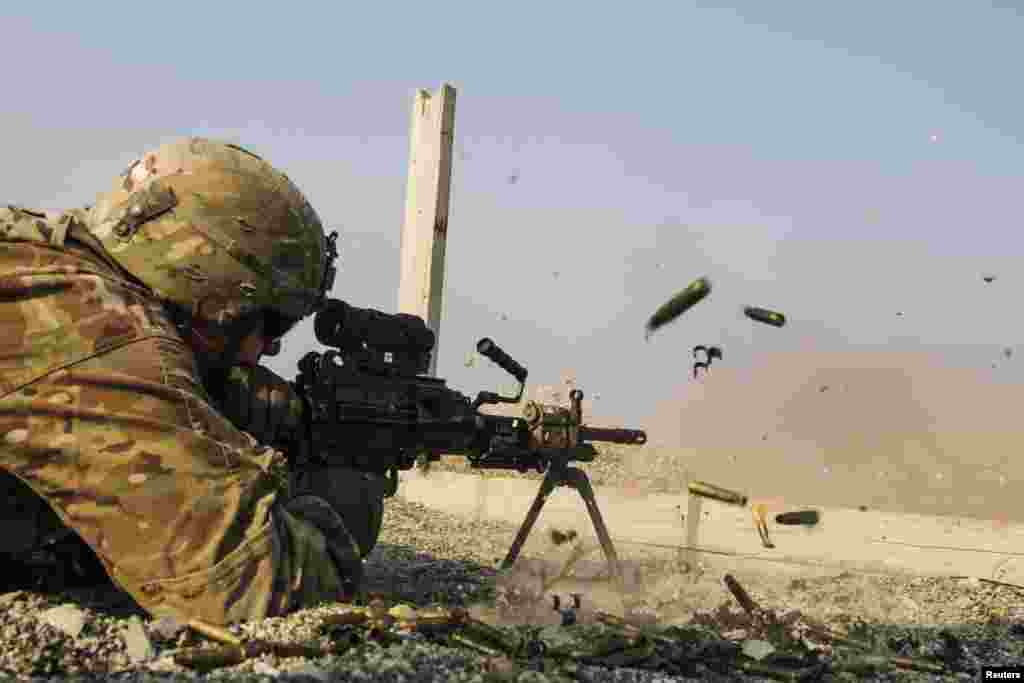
{"points": [[899, 432]]}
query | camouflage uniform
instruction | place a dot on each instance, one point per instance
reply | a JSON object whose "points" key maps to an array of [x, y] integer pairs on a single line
{"points": [[103, 414]]}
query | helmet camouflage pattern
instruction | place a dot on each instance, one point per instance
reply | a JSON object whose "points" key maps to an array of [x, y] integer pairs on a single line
{"points": [[217, 231]]}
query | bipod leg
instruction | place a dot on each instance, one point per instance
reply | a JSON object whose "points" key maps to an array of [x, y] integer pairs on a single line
{"points": [[578, 479], [551, 480]]}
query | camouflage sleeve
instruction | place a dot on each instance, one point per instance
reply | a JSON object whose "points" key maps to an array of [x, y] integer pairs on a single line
{"points": [[17, 224], [101, 413]]}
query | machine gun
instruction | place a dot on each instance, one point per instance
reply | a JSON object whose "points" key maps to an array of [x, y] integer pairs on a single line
{"points": [[371, 407]]}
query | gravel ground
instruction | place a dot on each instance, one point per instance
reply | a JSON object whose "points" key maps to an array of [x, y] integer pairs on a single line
{"points": [[427, 559]]}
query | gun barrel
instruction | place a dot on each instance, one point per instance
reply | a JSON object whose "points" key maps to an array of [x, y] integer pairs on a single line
{"points": [[613, 435]]}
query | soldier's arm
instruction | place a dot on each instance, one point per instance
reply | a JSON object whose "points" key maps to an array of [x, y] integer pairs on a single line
{"points": [[101, 413]]}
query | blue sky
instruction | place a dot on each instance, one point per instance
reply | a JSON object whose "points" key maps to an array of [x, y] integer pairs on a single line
{"points": [[836, 161]]}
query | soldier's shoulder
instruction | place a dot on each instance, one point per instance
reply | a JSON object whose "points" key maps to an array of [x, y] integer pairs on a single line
{"points": [[20, 224]]}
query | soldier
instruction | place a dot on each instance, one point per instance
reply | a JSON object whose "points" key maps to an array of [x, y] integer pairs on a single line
{"points": [[120, 328]]}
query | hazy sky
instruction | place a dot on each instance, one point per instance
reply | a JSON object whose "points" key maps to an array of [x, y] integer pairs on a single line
{"points": [[837, 161]]}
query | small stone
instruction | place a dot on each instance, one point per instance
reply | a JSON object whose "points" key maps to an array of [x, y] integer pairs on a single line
{"points": [[66, 618], [136, 644], [8, 599], [757, 649], [167, 628]]}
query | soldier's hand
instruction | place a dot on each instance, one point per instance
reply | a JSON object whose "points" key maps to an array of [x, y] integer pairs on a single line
{"points": [[259, 402]]}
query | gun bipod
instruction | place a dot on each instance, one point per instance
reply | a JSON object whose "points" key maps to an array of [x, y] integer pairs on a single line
{"points": [[561, 474]]}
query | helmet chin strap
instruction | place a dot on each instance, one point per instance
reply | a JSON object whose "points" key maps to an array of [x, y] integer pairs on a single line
{"points": [[214, 365]]}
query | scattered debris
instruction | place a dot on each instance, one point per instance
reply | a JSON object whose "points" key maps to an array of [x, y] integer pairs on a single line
{"points": [[823, 388], [568, 614], [763, 315], [470, 359], [66, 618], [793, 627], [559, 537], [683, 301], [710, 353], [513, 178], [988, 278], [760, 513], [1007, 352]]}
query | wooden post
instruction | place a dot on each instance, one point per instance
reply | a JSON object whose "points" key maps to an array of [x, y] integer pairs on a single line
{"points": [[425, 228], [694, 507]]}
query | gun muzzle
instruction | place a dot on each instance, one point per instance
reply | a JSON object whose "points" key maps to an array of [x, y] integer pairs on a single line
{"points": [[705, 490]]}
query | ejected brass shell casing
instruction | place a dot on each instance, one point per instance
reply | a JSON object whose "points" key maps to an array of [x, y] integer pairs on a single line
{"points": [[705, 490], [802, 517], [204, 659], [680, 303], [349, 618], [763, 315], [485, 648], [629, 630], [433, 618], [484, 634], [217, 634], [760, 513], [739, 593]]}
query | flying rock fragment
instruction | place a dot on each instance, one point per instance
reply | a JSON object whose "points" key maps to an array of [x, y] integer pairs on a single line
{"points": [[559, 537]]}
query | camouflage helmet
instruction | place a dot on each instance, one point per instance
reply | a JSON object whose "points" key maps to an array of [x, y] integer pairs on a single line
{"points": [[217, 231]]}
